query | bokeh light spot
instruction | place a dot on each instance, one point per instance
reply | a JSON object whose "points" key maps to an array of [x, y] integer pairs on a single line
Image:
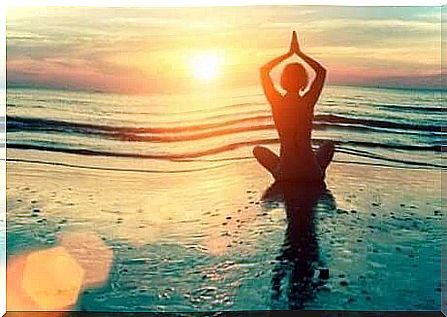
{"points": [[91, 253], [52, 278]]}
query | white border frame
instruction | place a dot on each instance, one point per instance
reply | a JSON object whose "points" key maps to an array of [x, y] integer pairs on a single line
{"points": [[192, 3], [132, 3]]}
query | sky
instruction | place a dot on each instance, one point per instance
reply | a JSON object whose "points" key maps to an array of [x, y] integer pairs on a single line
{"points": [[159, 50]]}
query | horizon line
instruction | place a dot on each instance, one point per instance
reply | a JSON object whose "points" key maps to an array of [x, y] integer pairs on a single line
{"points": [[75, 89]]}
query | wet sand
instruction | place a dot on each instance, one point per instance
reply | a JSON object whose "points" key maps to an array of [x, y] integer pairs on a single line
{"points": [[219, 239]]}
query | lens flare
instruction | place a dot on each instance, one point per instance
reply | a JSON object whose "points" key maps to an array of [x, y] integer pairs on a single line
{"points": [[52, 278], [91, 253]]}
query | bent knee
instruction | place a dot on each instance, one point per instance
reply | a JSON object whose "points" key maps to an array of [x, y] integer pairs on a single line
{"points": [[257, 150], [328, 148], [329, 145]]}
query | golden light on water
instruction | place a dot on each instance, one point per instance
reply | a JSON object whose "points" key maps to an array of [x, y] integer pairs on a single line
{"points": [[206, 65]]}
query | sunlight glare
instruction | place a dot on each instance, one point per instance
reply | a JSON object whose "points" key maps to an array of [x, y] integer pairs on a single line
{"points": [[206, 66]]}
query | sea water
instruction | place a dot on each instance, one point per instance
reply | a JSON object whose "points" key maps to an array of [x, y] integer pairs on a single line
{"points": [[170, 184]]}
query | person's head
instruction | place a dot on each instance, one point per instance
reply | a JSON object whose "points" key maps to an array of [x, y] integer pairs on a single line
{"points": [[294, 78]]}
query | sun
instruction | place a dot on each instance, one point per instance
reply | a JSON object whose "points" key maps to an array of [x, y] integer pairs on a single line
{"points": [[206, 66]]}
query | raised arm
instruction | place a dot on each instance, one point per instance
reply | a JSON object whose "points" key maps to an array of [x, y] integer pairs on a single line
{"points": [[314, 92], [270, 92]]}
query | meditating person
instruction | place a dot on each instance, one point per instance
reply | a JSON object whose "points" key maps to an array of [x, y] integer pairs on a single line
{"points": [[293, 114]]}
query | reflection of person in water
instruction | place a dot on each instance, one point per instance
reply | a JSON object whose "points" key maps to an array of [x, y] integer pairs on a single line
{"points": [[293, 115], [299, 254]]}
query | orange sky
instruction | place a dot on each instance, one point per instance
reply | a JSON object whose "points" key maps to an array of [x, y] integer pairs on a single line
{"points": [[149, 50]]}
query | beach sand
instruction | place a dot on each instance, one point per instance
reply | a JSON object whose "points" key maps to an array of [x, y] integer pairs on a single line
{"points": [[207, 240]]}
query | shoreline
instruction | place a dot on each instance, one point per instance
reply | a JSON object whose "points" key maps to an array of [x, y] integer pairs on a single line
{"points": [[379, 238], [106, 163]]}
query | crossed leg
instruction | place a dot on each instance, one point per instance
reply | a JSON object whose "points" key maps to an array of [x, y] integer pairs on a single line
{"points": [[270, 160], [266, 158]]}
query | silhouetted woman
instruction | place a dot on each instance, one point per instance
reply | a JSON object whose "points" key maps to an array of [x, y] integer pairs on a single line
{"points": [[293, 115]]}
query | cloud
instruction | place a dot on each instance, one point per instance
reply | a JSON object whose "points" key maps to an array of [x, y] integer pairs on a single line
{"points": [[120, 48]]}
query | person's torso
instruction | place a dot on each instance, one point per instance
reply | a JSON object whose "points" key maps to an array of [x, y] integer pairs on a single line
{"points": [[293, 120]]}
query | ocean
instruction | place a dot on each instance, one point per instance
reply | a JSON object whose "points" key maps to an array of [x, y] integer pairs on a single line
{"points": [[393, 127], [169, 184]]}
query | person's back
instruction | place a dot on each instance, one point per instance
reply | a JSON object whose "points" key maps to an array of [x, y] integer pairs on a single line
{"points": [[297, 161], [293, 120], [293, 115]]}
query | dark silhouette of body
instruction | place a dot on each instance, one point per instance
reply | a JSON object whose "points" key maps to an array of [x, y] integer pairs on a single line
{"points": [[299, 255], [293, 115]]}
